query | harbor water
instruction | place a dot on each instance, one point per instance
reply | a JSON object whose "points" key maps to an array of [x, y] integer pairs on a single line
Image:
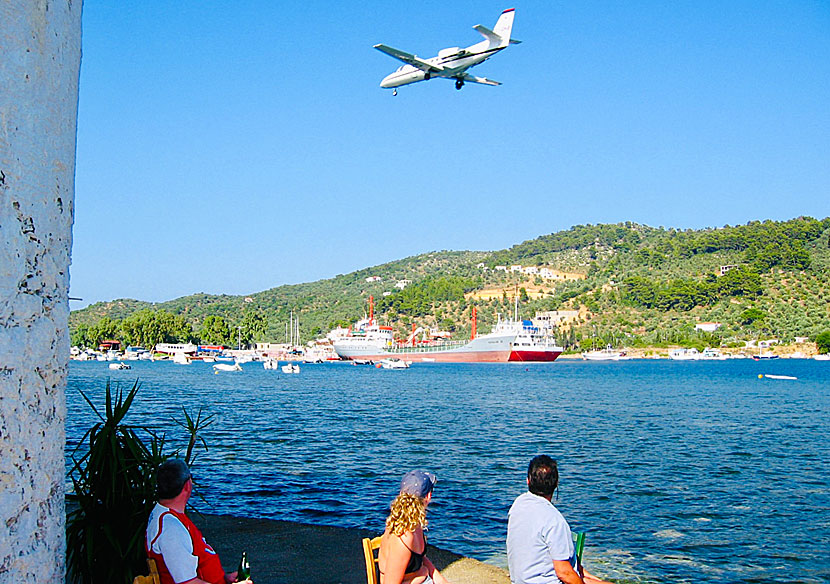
{"points": [[678, 471]]}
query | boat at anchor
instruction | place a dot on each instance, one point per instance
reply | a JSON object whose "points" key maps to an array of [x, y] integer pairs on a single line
{"points": [[510, 340]]}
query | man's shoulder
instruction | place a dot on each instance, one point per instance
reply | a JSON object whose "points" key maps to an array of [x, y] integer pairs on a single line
{"points": [[530, 501], [529, 505], [165, 520]]}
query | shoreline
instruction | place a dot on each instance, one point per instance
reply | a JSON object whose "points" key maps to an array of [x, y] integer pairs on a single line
{"points": [[285, 552]]}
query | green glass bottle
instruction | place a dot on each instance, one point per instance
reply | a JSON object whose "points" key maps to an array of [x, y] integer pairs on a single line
{"points": [[244, 570]]}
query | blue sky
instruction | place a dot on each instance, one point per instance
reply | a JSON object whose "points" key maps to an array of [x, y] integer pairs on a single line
{"points": [[230, 147]]}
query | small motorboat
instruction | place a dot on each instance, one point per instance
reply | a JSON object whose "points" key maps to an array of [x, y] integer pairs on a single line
{"points": [[119, 366], [227, 367], [290, 368], [271, 364], [393, 364], [771, 376]]}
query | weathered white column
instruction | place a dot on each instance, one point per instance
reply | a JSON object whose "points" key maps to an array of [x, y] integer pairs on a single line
{"points": [[40, 54]]}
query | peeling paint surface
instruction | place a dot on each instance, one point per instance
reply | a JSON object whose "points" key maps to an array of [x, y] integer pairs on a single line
{"points": [[40, 51]]}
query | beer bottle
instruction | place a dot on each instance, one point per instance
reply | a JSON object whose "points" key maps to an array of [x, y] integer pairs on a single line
{"points": [[244, 570]]}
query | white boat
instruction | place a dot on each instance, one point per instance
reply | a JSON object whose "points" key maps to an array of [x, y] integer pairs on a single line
{"points": [[181, 359], [227, 367], [171, 348], [119, 366], [271, 364], [771, 376], [606, 354], [710, 354], [290, 368], [766, 355], [509, 340], [822, 357], [684, 354], [393, 364]]}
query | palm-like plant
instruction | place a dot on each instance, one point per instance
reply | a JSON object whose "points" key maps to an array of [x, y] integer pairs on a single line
{"points": [[114, 492]]}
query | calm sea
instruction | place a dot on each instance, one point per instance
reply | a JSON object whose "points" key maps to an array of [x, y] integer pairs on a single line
{"points": [[678, 471]]}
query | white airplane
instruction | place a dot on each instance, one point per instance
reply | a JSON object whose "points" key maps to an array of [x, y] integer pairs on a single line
{"points": [[452, 63]]}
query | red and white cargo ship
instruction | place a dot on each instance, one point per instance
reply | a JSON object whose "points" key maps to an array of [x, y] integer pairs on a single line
{"points": [[508, 341]]}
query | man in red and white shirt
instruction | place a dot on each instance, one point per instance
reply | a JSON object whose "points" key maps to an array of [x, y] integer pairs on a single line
{"points": [[181, 553]]}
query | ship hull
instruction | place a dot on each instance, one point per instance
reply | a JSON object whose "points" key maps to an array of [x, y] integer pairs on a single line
{"points": [[440, 357], [501, 346], [533, 356]]}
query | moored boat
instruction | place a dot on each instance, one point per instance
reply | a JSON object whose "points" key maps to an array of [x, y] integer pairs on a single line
{"points": [[508, 341], [684, 354], [606, 354], [711, 354], [393, 364], [227, 367]]}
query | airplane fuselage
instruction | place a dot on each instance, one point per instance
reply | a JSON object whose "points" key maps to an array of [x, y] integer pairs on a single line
{"points": [[452, 64]]}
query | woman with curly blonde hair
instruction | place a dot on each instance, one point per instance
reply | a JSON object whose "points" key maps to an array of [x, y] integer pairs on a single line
{"points": [[402, 557]]}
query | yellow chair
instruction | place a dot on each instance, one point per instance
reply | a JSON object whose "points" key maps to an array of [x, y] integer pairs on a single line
{"points": [[369, 548], [152, 578]]}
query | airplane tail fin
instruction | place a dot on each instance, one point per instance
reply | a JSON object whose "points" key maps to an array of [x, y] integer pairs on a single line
{"points": [[505, 25]]}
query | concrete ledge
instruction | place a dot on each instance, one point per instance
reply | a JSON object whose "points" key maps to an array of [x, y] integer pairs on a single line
{"points": [[283, 552]]}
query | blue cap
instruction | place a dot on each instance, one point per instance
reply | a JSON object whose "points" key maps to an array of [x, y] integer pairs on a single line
{"points": [[418, 483]]}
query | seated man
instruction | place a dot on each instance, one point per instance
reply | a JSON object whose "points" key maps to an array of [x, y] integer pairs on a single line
{"points": [[540, 548], [181, 553]]}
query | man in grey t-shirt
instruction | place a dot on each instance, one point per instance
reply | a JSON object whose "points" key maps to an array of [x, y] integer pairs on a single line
{"points": [[540, 547]]}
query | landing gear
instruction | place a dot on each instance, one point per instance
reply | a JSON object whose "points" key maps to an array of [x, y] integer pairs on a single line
{"points": [[459, 83], [394, 92]]}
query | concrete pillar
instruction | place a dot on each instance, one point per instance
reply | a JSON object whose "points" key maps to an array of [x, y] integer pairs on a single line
{"points": [[40, 54]]}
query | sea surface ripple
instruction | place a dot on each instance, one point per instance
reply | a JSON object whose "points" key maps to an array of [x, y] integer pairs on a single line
{"points": [[678, 471]]}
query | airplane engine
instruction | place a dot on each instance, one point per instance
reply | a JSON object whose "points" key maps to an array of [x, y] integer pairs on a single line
{"points": [[444, 53]]}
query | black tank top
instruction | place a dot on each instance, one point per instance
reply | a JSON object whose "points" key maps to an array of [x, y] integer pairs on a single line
{"points": [[416, 560]]}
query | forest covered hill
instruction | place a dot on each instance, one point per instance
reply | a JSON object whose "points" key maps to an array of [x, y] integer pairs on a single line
{"points": [[633, 285]]}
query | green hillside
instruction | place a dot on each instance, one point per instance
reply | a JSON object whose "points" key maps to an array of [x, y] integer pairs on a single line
{"points": [[642, 286]]}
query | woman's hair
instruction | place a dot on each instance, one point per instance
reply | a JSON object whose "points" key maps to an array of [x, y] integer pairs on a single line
{"points": [[406, 513]]}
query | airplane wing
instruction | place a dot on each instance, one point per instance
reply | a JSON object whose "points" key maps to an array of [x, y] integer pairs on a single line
{"points": [[483, 80], [408, 58]]}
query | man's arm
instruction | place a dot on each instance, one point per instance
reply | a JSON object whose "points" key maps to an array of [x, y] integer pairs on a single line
{"points": [[566, 573]]}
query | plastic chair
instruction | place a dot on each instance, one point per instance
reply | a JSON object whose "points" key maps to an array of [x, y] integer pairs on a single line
{"points": [[369, 548], [152, 578]]}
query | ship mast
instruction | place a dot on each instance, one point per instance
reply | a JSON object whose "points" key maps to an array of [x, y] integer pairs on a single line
{"points": [[473, 331], [516, 304]]}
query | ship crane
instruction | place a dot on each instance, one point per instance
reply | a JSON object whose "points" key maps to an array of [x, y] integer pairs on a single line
{"points": [[410, 340]]}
